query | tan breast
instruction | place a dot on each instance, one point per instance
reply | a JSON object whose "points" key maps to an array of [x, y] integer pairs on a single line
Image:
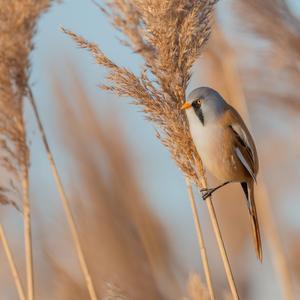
{"points": [[215, 147]]}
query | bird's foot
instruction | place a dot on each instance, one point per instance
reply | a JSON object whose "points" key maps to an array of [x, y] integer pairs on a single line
{"points": [[206, 193]]}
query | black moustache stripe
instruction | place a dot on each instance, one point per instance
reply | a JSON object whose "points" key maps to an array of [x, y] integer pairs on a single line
{"points": [[199, 114]]}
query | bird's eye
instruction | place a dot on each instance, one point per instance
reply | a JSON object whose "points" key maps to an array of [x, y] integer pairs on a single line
{"points": [[199, 102]]}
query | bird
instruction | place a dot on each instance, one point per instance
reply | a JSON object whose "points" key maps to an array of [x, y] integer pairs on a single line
{"points": [[226, 147]]}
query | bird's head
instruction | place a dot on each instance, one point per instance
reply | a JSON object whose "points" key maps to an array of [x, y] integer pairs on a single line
{"points": [[207, 103]]}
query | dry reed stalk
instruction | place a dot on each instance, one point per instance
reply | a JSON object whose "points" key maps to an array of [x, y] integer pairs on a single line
{"points": [[65, 202], [220, 242], [200, 238], [221, 246], [28, 236], [17, 27], [169, 35], [12, 264], [216, 228], [234, 86]]}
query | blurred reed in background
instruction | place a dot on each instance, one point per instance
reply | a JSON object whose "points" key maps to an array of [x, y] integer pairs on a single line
{"points": [[126, 244]]}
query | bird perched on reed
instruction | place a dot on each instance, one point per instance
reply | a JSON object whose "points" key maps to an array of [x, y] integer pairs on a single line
{"points": [[226, 147]]}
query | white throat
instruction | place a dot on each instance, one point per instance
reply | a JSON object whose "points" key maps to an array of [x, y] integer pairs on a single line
{"points": [[205, 137]]}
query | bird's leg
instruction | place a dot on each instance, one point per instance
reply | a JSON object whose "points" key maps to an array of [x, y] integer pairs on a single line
{"points": [[205, 190], [209, 192]]}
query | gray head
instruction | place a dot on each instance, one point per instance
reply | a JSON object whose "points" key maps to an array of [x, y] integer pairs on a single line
{"points": [[207, 103]]}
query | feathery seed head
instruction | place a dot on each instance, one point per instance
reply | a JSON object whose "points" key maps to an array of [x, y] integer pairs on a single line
{"points": [[18, 20], [169, 35]]}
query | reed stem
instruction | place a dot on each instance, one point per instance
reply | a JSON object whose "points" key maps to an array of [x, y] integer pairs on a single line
{"points": [[200, 239], [12, 264], [65, 202], [27, 236], [221, 246], [217, 232]]}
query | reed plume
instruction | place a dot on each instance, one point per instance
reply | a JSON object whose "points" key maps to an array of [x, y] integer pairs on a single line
{"points": [[17, 27], [169, 35]]}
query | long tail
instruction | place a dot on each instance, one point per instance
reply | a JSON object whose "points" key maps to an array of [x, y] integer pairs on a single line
{"points": [[249, 193]]}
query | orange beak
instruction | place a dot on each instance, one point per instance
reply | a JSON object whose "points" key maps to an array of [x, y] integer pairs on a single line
{"points": [[186, 105]]}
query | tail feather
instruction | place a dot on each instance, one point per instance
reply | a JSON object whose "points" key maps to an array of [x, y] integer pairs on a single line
{"points": [[249, 193]]}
